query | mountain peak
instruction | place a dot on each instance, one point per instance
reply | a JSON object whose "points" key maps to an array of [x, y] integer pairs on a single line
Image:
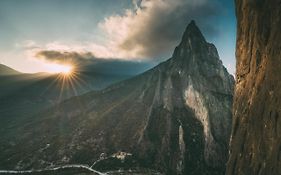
{"points": [[193, 33], [192, 25], [193, 43]]}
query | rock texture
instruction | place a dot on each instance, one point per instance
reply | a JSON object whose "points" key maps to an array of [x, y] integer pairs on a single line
{"points": [[256, 135], [174, 118]]}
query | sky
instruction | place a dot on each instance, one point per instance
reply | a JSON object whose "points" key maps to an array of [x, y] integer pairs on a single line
{"points": [[35, 34]]}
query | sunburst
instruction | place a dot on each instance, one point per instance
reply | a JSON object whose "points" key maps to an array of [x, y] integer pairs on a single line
{"points": [[66, 69], [68, 79]]}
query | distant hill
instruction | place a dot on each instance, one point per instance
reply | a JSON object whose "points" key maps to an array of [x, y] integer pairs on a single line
{"points": [[23, 95], [5, 70]]}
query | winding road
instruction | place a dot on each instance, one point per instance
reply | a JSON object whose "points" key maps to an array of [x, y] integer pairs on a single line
{"points": [[85, 167]]}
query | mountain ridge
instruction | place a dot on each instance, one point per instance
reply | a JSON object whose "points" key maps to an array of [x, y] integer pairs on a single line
{"points": [[5, 70]]}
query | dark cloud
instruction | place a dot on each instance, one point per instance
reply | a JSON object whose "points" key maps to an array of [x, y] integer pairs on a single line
{"points": [[65, 57], [155, 27], [87, 62]]}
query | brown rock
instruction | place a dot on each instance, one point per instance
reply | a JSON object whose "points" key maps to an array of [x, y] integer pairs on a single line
{"points": [[256, 136]]}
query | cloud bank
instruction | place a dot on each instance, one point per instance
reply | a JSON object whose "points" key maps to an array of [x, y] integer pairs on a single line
{"points": [[63, 57], [87, 62], [150, 31], [153, 27]]}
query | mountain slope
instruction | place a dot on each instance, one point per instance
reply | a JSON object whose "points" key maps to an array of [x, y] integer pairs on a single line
{"points": [[175, 118], [5, 70], [256, 139], [24, 95]]}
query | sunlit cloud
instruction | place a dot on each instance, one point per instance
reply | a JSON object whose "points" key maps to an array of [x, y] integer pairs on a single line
{"points": [[147, 32], [64, 57], [150, 30], [153, 28], [87, 61], [138, 30]]}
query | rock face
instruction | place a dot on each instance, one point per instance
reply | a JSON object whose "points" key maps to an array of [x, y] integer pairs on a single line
{"points": [[174, 118], [256, 135]]}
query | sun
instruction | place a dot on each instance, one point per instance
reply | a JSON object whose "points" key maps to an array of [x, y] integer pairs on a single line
{"points": [[65, 69], [66, 76]]}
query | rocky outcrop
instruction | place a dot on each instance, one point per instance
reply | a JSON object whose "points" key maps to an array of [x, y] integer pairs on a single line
{"points": [[256, 135], [174, 118]]}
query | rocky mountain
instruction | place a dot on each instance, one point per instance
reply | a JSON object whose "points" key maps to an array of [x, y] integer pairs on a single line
{"points": [[256, 135], [174, 118]]}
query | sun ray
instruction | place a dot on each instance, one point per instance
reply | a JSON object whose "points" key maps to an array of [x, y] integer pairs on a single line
{"points": [[53, 83], [70, 81]]}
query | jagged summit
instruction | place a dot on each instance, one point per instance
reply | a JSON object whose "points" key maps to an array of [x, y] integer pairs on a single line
{"points": [[193, 34], [195, 55], [193, 42]]}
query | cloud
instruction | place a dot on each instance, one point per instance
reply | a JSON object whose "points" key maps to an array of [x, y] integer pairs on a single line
{"points": [[86, 57], [148, 32], [153, 27], [105, 50], [86, 61], [63, 57]]}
